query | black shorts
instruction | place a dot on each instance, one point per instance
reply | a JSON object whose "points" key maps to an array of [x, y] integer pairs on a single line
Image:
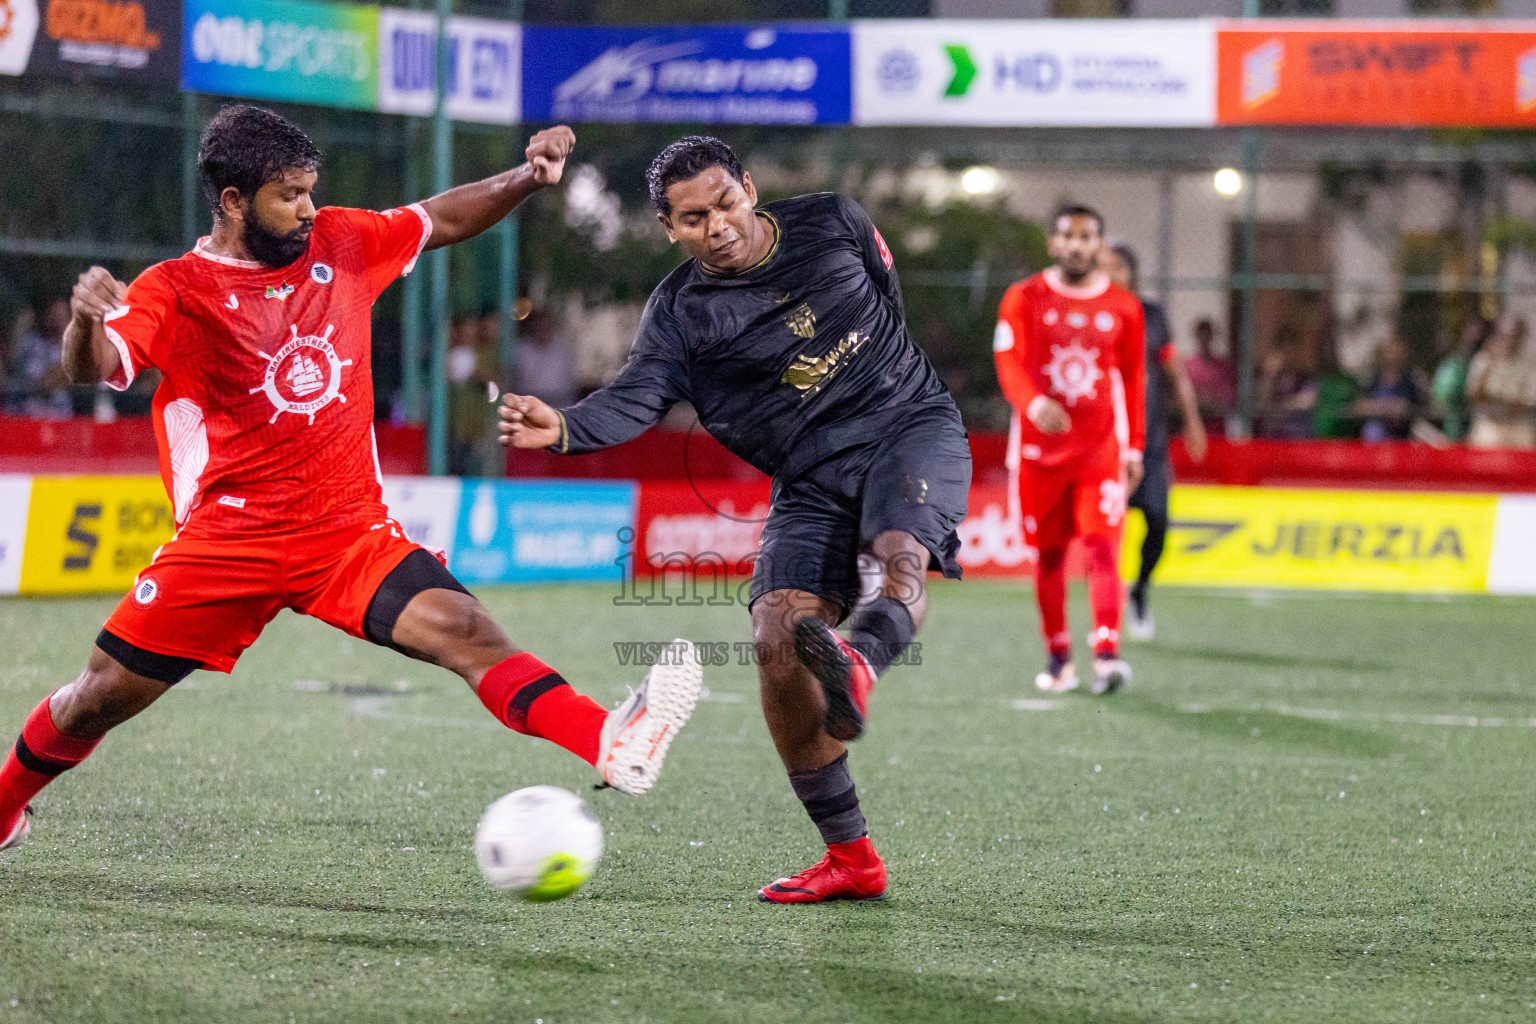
{"points": [[916, 480], [1151, 495]]}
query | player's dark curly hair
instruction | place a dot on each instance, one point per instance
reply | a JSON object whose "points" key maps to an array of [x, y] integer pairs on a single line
{"points": [[686, 158], [1077, 210], [245, 147]]}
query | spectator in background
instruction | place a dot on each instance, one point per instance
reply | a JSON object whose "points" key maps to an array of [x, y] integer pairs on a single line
{"points": [[15, 379], [1214, 377], [1500, 386], [1283, 396], [1394, 397], [1449, 388], [546, 361], [1334, 393], [37, 371]]}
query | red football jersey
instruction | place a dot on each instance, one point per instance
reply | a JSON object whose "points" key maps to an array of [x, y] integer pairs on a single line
{"points": [[1082, 347], [265, 417]]}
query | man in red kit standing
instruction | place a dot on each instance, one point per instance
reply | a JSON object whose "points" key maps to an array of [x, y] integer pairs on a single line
{"points": [[264, 424], [1069, 348]]}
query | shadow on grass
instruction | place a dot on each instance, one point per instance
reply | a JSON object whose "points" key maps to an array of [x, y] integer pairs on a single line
{"points": [[1269, 660], [1267, 727]]}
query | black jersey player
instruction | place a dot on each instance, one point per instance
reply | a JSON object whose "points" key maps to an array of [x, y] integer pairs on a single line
{"points": [[785, 330]]}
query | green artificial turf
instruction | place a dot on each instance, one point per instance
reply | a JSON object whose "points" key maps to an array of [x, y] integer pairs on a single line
{"points": [[1306, 809]]}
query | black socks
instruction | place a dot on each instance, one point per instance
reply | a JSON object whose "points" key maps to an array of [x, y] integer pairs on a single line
{"points": [[881, 631], [831, 801]]}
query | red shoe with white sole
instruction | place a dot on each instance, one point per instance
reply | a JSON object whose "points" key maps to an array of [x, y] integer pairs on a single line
{"points": [[849, 871], [845, 677]]}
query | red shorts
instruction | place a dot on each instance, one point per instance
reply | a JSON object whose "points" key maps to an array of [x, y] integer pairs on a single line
{"points": [[1085, 498], [208, 598]]}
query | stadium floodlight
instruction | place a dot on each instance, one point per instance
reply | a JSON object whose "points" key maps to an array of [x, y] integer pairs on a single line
{"points": [[980, 181], [1228, 182]]}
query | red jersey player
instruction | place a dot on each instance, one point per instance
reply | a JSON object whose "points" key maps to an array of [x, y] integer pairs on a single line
{"points": [[1069, 348], [264, 423]]}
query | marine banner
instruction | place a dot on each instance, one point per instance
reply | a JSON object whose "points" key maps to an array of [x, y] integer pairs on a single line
{"points": [[746, 74]]}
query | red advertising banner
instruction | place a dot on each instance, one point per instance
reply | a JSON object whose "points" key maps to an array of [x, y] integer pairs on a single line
{"points": [[712, 525], [1382, 73]]}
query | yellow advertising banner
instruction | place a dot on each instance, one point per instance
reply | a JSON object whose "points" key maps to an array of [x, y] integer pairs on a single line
{"points": [[92, 534], [1323, 540]]}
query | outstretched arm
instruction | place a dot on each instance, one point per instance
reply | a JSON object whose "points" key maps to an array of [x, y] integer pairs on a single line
{"points": [[462, 213]]}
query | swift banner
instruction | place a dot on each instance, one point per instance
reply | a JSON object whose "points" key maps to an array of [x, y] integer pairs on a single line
{"points": [[1377, 74], [711, 75], [92, 534], [282, 50], [484, 66], [1034, 73]]}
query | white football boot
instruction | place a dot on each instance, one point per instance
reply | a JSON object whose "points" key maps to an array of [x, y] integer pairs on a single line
{"points": [[638, 732], [1141, 626], [1062, 680], [1109, 675], [20, 832]]}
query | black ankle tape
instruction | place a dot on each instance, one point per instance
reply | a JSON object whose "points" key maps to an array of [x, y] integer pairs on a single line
{"points": [[881, 631], [832, 801]]}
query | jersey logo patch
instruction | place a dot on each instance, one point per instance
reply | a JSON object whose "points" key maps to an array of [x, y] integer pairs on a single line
{"points": [[1074, 371], [1104, 320], [885, 252], [811, 373], [280, 294], [233, 302], [802, 322], [302, 368], [321, 273], [146, 591]]}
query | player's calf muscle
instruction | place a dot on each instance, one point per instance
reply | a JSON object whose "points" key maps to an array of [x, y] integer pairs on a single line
{"points": [[103, 697], [454, 631]]}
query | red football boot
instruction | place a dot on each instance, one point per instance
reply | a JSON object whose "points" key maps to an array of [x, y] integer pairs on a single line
{"points": [[845, 677], [849, 871]]}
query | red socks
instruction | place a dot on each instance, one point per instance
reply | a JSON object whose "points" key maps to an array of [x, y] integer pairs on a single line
{"points": [[529, 697], [1105, 595], [1051, 593], [41, 754]]}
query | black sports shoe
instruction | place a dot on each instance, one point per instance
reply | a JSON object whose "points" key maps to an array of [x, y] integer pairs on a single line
{"points": [[845, 678]]}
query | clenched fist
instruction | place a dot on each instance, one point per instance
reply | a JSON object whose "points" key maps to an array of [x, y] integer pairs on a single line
{"points": [[547, 152], [96, 294]]}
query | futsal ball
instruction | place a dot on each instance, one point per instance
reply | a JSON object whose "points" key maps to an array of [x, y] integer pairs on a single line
{"points": [[541, 843]]}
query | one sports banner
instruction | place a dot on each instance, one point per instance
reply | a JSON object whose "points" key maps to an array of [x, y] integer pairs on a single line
{"points": [[322, 53], [1090, 73], [1376, 73], [127, 40], [748, 74], [19, 20], [484, 66]]}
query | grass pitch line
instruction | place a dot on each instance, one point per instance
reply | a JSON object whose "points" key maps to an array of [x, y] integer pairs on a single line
{"points": [[1383, 718]]}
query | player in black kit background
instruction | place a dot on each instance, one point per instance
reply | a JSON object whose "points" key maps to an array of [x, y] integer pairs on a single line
{"points": [[785, 330]]}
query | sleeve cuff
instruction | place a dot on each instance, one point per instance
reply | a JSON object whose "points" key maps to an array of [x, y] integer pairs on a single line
{"points": [[562, 446], [122, 380], [426, 235]]}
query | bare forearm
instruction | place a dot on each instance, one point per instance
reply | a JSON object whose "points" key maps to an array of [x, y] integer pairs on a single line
{"points": [[464, 212], [85, 358]]}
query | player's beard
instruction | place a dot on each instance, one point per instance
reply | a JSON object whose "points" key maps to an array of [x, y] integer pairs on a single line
{"points": [[274, 248]]}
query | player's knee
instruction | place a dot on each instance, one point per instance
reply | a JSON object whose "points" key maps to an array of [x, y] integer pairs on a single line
{"points": [[104, 696]]}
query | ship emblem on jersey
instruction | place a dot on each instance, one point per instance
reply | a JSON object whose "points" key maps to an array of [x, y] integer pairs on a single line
{"points": [[304, 376], [1074, 371], [811, 373], [280, 294], [802, 322]]}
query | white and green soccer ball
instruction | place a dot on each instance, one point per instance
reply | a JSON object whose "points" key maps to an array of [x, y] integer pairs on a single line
{"points": [[541, 843]]}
